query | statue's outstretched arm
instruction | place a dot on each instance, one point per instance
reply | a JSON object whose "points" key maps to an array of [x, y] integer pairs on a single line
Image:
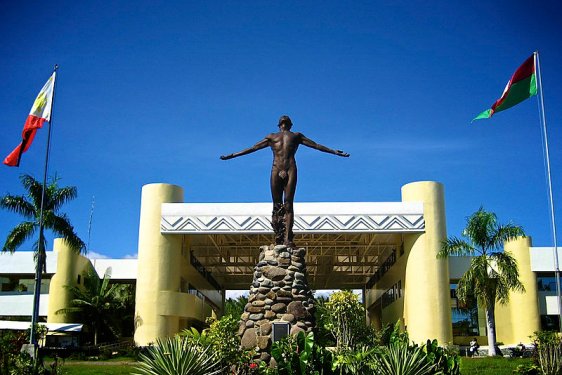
{"points": [[258, 146], [310, 143]]}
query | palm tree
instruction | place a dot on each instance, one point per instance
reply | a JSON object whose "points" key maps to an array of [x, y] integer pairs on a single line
{"points": [[29, 206], [235, 307], [492, 273], [97, 303]]}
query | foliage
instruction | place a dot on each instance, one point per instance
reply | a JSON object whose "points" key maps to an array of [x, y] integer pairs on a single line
{"points": [[10, 344], [29, 206], [345, 317], [400, 359], [223, 338], [492, 273], [528, 369], [359, 361], [235, 307], [23, 364], [444, 359], [300, 355], [549, 352], [125, 312], [97, 304], [178, 356]]}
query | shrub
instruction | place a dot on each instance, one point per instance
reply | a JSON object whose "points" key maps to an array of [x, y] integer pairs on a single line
{"points": [[444, 359], [345, 317], [178, 356], [400, 359], [301, 355], [549, 352]]}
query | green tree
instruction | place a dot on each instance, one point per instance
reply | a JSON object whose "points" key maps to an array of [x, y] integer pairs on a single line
{"points": [[97, 304], [492, 273], [29, 206], [235, 307], [345, 317]]}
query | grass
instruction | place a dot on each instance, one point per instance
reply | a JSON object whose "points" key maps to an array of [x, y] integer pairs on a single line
{"points": [[122, 366], [491, 366]]}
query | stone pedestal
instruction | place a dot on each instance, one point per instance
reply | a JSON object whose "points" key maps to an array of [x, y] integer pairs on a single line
{"points": [[279, 293]]}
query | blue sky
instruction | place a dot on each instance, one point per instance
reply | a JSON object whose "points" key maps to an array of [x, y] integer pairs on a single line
{"points": [[156, 91]]}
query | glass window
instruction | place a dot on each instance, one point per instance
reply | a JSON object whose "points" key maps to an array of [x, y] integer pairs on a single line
{"points": [[546, 282], [464, 316]]}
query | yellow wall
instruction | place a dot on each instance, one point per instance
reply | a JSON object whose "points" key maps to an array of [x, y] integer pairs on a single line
{"points": [[69, 265], [520, 318], [395, 311], [161, 308], [427, 309]]}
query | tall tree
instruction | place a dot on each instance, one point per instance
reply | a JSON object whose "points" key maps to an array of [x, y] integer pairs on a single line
{"points": [[492, 273], [29, 206], [98, 303]]}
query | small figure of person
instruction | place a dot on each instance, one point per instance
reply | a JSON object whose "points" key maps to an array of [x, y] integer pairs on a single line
{"points": [[473, 350]]}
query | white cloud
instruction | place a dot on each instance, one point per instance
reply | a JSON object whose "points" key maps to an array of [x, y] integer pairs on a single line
{"points": [[131, 256], [234, 294], [94, 255]]}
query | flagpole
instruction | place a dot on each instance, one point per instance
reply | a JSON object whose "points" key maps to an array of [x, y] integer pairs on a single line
{"points": [[550, 196], [40, 261]]}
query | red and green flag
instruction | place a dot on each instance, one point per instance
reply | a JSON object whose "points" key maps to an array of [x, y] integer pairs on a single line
{"points": [[521, 86]]}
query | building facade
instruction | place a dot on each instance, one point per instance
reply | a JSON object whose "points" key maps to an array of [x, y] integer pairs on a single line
{"points": [[189, 254]]}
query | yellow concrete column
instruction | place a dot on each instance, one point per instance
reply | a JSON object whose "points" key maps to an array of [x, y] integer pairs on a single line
{"points": [[426, 297], [59, 296], [159, 265], [524, 307], [70, 265]]}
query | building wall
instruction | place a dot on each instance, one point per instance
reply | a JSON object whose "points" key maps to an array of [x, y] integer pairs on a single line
{"points": [[520, 318], [70, 266], [163, 306], [423, 305], [427, 311]]}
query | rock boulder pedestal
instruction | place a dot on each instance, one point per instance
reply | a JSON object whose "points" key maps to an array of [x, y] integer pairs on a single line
{"points": [[279, 293]]}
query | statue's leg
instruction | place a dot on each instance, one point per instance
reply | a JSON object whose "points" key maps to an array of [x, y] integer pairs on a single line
{"points": [[278, 214], [290, 189]]}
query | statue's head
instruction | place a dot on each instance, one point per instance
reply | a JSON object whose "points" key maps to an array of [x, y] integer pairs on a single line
{"points": [[285, 120]]}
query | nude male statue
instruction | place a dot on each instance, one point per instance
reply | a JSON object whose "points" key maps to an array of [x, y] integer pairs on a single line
{"points": [[284, 145]]}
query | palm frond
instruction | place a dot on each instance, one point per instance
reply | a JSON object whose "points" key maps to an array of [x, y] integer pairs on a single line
{"points": [[18, 236], [60, 224], [505, 233], [480, 226], [454, 246], [60, 196], [508, 276], [18, 204], [34, 189]]}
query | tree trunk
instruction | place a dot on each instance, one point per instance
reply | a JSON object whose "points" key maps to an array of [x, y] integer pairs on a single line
{"points": [[95, 336], [491, 326]]}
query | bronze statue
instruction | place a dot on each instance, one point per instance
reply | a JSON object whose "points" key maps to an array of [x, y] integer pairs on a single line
{"points": [[284, 145]]}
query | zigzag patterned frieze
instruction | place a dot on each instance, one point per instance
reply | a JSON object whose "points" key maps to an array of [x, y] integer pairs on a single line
{"points": [[305, 224]]}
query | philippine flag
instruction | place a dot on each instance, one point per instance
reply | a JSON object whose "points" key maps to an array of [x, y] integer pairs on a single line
{"points": [[40, 112]]}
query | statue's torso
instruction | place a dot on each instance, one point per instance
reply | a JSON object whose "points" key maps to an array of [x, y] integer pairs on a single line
{"points": [[284, 145]]}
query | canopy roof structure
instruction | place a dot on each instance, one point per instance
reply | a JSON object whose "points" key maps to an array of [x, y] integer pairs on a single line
{"points": [[52, 327], [346, 242]]}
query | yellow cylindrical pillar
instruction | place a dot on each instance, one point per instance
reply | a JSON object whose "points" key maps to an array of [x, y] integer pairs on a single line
{"points": [[525, 316], [427, 298], [66, 275], [159, 261]]}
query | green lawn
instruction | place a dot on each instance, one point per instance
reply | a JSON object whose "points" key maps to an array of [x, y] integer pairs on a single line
{"points": [[491, 366], [97, 367], [469, 366]]}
